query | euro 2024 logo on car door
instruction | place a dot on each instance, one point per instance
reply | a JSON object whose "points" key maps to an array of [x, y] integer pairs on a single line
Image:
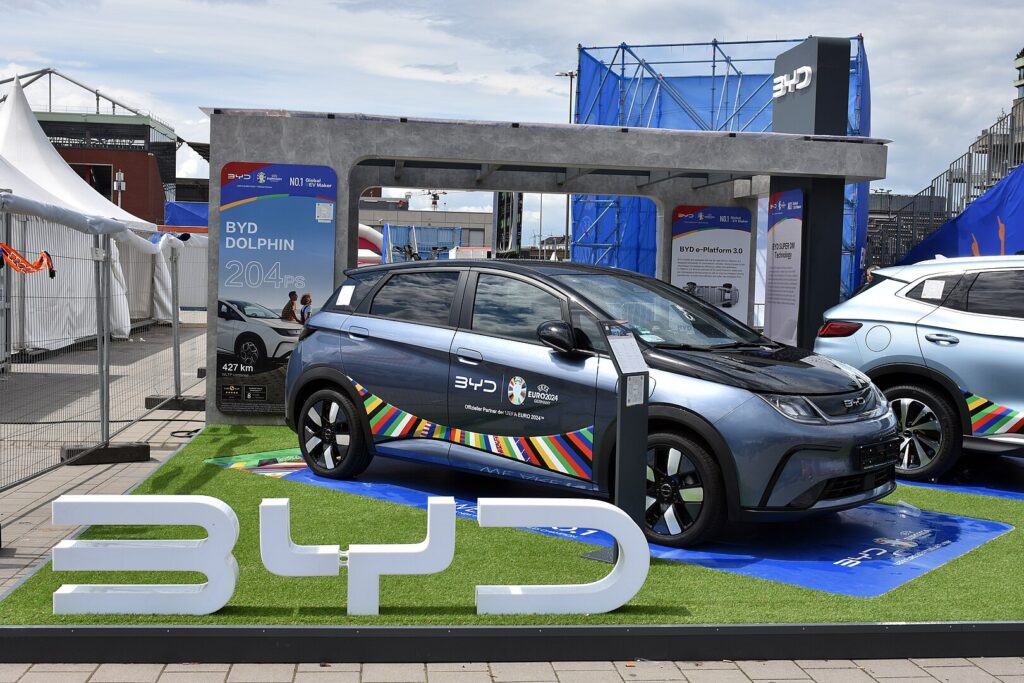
{"points": [[517, 391]]}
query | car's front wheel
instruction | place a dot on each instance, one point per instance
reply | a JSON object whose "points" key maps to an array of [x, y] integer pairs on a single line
{"points": [[330, 436], [250, 350], [685, 502], [930, 434]]}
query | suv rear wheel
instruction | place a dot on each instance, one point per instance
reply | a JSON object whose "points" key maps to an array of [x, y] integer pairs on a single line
{"points": [[685, 493], [331, 437], [929, 430]]}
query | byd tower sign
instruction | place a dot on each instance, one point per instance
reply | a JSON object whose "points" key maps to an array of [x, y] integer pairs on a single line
{"points": [[787, 83]]}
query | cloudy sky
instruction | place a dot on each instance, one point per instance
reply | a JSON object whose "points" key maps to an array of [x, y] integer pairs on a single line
{"points": [[941, 70]]}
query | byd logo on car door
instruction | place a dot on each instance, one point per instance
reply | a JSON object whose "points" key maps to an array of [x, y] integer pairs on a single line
{"points": [[488, 386]]}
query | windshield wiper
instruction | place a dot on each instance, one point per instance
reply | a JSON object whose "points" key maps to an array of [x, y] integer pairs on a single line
{"points": [[679, 347], [746, 345]]}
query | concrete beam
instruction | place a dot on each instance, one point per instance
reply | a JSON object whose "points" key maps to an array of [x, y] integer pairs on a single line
{"points": [[558, 145]]}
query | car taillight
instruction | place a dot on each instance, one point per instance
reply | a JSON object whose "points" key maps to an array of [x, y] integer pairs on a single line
{"points": [[838, 328], [306, 331]]}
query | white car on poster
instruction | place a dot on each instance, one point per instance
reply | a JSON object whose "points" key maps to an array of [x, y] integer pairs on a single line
{"points": [[254, 334]]}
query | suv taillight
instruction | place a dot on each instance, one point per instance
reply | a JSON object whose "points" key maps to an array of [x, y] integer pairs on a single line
{"points": [[838, 328]]}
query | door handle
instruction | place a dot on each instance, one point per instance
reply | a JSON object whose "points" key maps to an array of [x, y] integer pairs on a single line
{"points": [[358, 332], [469, 356], [942, 339]]}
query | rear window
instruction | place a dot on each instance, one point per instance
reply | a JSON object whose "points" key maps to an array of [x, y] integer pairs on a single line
{"points": [[934, 290], [424, 298], [347, 298]]}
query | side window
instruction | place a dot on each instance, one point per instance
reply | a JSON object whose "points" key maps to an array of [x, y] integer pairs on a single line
{"points": [[223, 311], [588, 331], [424, 298], [998, 292], [933, 290], [352, 292], [512, 308]]}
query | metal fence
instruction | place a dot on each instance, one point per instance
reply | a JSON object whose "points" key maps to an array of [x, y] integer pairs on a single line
{"points": [[82, 352], [997, 151]]}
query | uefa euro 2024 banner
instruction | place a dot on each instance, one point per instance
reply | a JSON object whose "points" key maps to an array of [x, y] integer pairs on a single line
{"points": [[711, 255], [277, 234], [782, 290]]}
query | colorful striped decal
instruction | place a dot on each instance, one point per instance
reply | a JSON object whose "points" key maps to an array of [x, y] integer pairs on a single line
{"points": [[274, 464], [989, 418], [570, 454]]}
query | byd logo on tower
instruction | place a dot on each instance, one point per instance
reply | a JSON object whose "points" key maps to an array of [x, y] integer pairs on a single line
{"points": [[787, 83]]}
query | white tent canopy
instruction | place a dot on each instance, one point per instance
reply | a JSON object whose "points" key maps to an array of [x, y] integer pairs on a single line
{"points": [[35, 181], [25, 146]]}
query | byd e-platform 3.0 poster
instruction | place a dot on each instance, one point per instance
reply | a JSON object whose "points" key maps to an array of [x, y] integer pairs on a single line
{"points": [[782, 290], [277, 225], [711, 255]]}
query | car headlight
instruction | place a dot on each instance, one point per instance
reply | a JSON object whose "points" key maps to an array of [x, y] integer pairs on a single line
{"points": [[795, 408], [288, 332]]}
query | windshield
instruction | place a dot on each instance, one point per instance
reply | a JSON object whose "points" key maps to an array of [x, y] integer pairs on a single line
{"points": [[661, 315], [251, 310]]}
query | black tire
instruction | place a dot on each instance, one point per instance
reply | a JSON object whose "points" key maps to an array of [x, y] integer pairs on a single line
{"points": [[331, 436], [675, 517], [250, 350], [931, 435]]}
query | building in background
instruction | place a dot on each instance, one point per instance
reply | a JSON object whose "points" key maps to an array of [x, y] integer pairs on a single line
{"points": [[107, 137], [378, 211]]}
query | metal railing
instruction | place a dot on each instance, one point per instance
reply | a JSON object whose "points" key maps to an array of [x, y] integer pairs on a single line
{"points": [[82, 353], [997, 151]]}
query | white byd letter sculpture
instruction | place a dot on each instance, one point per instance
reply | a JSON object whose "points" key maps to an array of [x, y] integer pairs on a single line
{"points": [[367, 563], [614, 590], [210, 556], [280, 555]]}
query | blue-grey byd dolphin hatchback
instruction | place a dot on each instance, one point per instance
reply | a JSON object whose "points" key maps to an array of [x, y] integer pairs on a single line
{"points": [[501, 368]]}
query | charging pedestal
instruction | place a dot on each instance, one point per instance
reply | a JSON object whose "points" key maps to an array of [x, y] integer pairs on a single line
{"points": [[630, 485]]}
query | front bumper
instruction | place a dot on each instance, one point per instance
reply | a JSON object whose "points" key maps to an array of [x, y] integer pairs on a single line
{"points": [[786, 468]]}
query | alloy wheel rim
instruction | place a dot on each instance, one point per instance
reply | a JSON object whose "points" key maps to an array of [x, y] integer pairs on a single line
{"points": [[920, 433], [248, 352], [326, 434], [675, 492]]}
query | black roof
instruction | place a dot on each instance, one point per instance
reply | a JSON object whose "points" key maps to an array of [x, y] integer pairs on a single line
{"points": [[512, 265]]}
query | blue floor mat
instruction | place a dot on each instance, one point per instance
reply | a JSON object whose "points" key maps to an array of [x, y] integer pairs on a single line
{"points": [[864, 552], [983, 476]]}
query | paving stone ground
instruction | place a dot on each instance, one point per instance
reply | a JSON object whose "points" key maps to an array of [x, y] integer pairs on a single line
{"points": [[994, 669], [28, 538]]}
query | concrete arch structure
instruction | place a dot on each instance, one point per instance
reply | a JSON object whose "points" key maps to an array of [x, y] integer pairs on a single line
{"points": [[667, 166]]}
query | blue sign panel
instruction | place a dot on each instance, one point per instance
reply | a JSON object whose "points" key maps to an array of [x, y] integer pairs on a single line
{"points": [[277, 233], [864, 552]]}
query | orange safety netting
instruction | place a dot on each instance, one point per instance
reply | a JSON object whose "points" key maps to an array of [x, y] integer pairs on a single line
{"points": [[23, 265]]}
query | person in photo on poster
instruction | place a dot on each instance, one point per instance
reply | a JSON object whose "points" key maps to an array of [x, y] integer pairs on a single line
{"points": [[307, 308], [288, 312]]}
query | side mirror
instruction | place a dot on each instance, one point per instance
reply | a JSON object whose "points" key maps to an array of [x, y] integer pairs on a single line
{"points": [[558, 335]]}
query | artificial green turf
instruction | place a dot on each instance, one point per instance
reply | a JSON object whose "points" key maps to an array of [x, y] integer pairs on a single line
{"points": [[984, 584]]}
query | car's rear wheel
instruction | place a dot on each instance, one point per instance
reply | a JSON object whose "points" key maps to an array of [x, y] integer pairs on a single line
{"points": [[331, 437], [685, 502], [930, 434]]}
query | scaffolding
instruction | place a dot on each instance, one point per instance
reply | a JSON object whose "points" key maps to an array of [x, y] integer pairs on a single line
{"points": [[990, 158], [710, 86]]}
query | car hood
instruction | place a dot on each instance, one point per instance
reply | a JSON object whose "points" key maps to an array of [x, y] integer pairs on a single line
{"points": [[279, 324], [783, 370]]}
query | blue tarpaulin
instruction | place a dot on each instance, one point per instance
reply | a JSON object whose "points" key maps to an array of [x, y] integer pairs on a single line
{"points": [[187, 214], [630, 89], [992, 225]]}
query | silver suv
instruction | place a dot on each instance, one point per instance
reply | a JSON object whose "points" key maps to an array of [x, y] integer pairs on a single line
{"points": [[944, 339]]}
